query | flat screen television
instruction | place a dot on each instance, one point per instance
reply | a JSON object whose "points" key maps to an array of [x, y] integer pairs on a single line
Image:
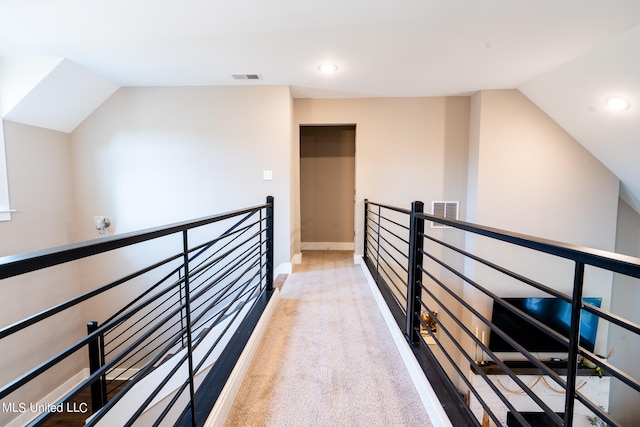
{"points": [[553, 312]]}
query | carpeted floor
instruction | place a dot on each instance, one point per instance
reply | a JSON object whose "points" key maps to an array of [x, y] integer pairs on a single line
{"points": [[327, 358]]}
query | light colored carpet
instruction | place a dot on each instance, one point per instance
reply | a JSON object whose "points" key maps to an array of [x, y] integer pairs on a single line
{"points": [[327, 358]]}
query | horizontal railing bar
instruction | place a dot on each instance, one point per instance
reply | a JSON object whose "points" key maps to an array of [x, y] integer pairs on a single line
{"points": [[238, 265], [484, 320], [237, 262], [405, 269], [141, 374], [391, 208], [184, 358], [134, 333], [619, 263], [461, 374], [616, 263], [502, 270], [396, 236], [132, 353], [176, 270], [203, 267], [613, 371], [606, 417], [31, 320], [633, 327], [611, 317], [149, 301], [146, 369], [390, 280], [14, 265], [373, 229], [210, 262], [539, 325], [508, 371], [115, 322], [154, 331], [203, 247], [405, 227], [228, 232]]}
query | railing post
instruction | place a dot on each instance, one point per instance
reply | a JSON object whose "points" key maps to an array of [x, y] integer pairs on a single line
{"points": [[574, 342], [366, 229], [416, 229], [187, 303], [269, 244], [98, 387], [378, 244]]}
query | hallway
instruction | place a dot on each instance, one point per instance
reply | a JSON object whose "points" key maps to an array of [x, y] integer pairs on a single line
{"points": [[327, 357]]}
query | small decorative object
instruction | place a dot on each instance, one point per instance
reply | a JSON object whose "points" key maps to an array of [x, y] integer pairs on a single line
{"points": [[596, 421], [589, 364], [429, 325], [102, 223]]}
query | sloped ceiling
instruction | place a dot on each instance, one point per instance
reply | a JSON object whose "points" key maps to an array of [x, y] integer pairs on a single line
{"points": [[567, 56], [62, 99]]}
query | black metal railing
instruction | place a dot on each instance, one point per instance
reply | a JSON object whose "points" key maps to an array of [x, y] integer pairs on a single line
{"points": [[440, 284], [157, 339]]}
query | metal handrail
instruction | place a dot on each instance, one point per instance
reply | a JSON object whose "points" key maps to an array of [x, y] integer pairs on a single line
{"points": [[410, 322], [229, 273]]}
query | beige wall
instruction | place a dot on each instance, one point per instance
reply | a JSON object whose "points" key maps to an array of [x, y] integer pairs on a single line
{"points": [[327, 183], [153, 156], [398, 139], [531, 177], [148, 155], [39, 172], [625, 300]]}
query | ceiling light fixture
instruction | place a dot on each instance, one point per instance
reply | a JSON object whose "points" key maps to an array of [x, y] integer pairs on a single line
{"points": [[328, 68], [617, 103]]}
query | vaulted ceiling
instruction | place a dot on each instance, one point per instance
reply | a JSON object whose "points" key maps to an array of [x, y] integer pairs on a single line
{"points": [[567, 56]]}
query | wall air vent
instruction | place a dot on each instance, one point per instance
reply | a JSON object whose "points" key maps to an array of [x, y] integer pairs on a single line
{"points": [[246, 76], [448, 210]]}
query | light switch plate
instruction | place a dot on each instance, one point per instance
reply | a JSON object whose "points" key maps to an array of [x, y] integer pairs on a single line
{"points": [[267, 175]]}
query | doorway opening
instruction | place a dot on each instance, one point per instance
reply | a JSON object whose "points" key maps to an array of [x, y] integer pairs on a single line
{"points": [[327, 187]]}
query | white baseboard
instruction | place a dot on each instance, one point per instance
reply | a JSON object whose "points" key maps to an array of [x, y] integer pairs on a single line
{"points": [[228, 394], [296, 259], [357, 258], [121, 374], [327, 246], [284, 268], [428, 397]]}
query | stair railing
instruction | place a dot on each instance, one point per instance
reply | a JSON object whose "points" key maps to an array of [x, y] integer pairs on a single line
{"points": [[172, 319]]}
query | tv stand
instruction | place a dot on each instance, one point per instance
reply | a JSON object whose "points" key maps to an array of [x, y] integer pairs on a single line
{"points": [[588, 382]]}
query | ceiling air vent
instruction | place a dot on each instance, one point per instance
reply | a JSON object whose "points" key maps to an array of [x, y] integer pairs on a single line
{"points": [[448, 210], [246, 76]]}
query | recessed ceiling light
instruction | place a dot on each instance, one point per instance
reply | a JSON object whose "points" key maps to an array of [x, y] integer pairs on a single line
{"points": [[617, 103], [328, 68]]}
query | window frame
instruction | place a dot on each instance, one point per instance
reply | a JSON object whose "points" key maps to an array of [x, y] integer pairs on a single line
{"points": [[5, 206]]}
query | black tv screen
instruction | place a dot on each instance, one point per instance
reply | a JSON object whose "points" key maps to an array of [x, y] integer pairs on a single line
{"points": [[553, 312]]}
